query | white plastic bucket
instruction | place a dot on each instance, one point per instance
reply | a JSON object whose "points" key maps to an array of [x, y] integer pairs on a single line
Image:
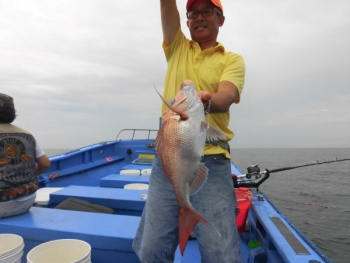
{"points": [[61, 251], [11, 248], [136, 186], [15, 258]]}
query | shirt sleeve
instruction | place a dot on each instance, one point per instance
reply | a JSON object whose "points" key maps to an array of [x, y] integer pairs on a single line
{"points": [[178, 41], [38, 150], [235, 72]]}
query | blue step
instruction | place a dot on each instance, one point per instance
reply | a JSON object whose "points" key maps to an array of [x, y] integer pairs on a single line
{"points": [[123, 201], [110, 236], [119, 181]]}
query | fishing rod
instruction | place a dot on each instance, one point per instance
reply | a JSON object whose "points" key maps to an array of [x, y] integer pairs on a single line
{"points": [[260, 177], [310, 164]]}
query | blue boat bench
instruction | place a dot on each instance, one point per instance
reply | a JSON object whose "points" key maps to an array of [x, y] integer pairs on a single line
{"points": [[119, 181], [110, 236], [123, 201]]}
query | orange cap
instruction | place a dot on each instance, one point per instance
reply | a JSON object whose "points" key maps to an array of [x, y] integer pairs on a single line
{"points": [[215, 2]]}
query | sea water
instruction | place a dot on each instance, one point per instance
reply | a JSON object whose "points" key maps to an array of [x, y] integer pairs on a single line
{"points": [[316, 199]]}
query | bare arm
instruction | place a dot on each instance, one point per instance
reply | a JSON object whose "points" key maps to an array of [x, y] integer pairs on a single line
{"points": [[222, 100], [43, 163], [170, 20]]}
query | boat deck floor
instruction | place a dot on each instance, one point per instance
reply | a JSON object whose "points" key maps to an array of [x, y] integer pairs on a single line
{"points": [[123, 201]]}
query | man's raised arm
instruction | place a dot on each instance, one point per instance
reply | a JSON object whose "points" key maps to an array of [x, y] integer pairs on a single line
{"points": [[170, 20]]}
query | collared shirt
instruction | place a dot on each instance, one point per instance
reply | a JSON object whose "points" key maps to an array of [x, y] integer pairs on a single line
{"points": [[206, 69]]}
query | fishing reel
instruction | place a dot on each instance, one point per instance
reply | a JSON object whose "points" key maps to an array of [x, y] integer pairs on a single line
{"points": [[253, 170], [253, 178]]}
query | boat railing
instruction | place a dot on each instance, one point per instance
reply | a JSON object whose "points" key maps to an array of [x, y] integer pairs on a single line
{"points": [[137, 132]]}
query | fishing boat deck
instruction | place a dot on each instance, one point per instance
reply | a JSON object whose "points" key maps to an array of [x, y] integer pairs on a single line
{"points": [[123, 201], [110, 236], [93, 174]]}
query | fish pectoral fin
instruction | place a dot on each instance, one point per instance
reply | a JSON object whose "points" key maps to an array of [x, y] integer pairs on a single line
{"points": [[204, 127], [214, 134], [199, 179]]}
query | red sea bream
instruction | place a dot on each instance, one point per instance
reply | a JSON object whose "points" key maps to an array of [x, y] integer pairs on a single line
{"points": [[180, 146]]}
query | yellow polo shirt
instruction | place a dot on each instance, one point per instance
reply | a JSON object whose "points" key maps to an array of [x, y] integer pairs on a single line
{"points": [[206, 69]]}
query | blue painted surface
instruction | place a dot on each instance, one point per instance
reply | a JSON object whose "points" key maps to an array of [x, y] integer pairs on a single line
{"points": [[119, 181], [191, 253], [268, 234], [87, 165], [110, 236], [123, 201]]}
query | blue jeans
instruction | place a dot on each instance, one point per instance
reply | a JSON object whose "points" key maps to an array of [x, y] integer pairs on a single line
{"points": [[157, 236]]}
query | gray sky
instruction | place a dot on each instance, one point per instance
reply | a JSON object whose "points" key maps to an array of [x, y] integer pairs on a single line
{"points": [[82, 70]]}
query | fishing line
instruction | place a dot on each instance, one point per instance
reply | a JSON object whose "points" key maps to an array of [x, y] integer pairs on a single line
{"points": [[300, 203]]}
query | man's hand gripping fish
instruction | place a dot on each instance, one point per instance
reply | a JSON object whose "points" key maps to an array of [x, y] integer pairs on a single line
{"points": [[180, 145]]}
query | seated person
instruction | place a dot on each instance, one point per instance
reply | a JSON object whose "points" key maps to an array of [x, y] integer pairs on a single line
{"points": [[21, 160]]}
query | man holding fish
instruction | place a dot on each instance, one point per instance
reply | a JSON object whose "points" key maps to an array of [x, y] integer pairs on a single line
{"points": [[191, 175]]}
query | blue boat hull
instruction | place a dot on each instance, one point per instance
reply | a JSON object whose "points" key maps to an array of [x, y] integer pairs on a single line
{"points": [[92, 174]]}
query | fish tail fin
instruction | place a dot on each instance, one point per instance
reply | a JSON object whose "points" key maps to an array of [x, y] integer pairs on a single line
{"points": [[188, 218]]}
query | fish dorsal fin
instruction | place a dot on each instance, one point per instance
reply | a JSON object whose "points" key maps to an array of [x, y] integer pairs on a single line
{"points": [[167, 102], [171, 106], [199, 180], [214, 134]]}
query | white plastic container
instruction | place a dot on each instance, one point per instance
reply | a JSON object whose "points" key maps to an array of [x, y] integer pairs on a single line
{"points": [[15, 258], [130, 172], [136, 186], [61, 251], [146, 172], [11, 248]]}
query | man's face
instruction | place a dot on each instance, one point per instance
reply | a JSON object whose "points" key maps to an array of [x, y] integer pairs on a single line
{"points": [[204, 28]]}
